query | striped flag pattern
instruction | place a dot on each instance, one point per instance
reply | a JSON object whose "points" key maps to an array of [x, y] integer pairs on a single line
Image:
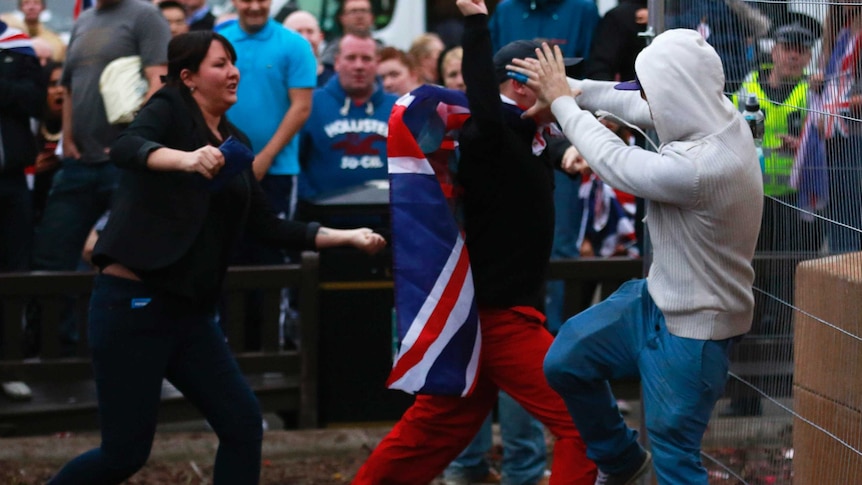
{"points": [[80, 6], [436, 317], [15, 40]]}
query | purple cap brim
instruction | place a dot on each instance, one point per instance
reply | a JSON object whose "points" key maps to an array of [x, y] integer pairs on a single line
{"points": [[628, 86]]}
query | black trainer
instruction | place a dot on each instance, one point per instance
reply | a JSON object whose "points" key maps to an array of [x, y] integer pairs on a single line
{"points": [[627, 478]]}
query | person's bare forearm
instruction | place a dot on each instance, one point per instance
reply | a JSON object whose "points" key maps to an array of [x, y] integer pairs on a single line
{"points": [[70, 150], [361, 238], [154, 78]]}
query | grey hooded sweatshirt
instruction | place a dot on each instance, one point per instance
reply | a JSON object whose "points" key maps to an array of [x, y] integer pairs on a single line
{"points": [[703, 187]]}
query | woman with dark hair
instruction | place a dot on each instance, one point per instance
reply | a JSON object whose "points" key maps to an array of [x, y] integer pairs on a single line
{"points": [[50, 128], [162, 258]]}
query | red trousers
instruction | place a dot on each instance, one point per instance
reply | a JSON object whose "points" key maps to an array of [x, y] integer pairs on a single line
{"points": [[437, 428]]}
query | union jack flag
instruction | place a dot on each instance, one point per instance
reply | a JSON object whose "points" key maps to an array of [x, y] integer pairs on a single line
{"points": [[15, 40], [840, 77], [80, 6], [810, 175], [436, 317]]}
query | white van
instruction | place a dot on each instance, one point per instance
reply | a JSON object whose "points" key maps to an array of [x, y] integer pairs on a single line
{"points": [[397, 22]]}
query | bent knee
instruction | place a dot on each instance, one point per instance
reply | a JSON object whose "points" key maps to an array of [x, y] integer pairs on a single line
{"points": [[559, 367]]}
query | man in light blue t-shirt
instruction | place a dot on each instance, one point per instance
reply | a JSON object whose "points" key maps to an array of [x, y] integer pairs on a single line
{"points": [[278, 72]]}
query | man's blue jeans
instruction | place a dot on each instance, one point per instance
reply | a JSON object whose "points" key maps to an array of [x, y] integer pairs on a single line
{"points": [[625, 336], [524, 450], [138, 337], [80, 194]]}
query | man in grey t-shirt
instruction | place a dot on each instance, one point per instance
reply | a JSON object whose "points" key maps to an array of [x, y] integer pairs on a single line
{"points": [[83, 187]]}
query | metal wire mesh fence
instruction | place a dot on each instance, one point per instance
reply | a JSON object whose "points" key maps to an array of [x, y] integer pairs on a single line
{"points": [[792, 411]]}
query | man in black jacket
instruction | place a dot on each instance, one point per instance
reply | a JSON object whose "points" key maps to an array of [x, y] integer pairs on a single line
{"points": [[508, 180], [22, 95]]}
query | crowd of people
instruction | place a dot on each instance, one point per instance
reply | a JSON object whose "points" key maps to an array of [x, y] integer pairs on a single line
{"points": [[246, 120]]}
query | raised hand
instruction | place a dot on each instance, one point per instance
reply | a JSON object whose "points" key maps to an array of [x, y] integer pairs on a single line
{"points": [[546, 77], [472, 7], [573, 163]]}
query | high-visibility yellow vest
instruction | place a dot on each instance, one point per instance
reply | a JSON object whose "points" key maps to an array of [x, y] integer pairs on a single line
{"points": [[778, 164]]}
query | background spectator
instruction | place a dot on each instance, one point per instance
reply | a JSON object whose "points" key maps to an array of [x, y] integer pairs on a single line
{"points": [[343, 142], [22, 95], [279, 73], [840, 85], [306, 25], [616, 42], [30, 23], [22, 91], [425, 50], [354, 17], [47, 138], [200, 16], [728, 26], [450, 69], [397, 71], [83, 187], [175, 13], [567, 23]]}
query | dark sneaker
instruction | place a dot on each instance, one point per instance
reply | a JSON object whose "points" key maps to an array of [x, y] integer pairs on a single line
{"points": [[628, 478]]}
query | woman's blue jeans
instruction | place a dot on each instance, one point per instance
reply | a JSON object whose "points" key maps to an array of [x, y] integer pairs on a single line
{"points": [[625, 336], [139, 336]]}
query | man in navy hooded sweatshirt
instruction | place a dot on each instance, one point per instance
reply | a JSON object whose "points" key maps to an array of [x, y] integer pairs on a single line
{"points": [[343, 142]]}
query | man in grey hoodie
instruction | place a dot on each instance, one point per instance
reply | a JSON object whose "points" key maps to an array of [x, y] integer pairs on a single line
{"points": [[673, 329]]}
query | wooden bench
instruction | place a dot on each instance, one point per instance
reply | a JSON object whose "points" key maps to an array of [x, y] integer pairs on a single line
{"points": [[63, 392]]}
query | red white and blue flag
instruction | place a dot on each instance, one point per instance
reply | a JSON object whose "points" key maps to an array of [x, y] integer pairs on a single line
{"points": [[436, 317], [80, 6], [15, 40]]}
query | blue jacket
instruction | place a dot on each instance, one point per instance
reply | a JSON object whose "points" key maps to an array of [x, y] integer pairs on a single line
{"points": [[567, 23], [343, 144]]}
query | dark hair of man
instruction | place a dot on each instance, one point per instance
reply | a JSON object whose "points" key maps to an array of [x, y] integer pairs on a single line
{"points": [[341, 4], [166, 4]]}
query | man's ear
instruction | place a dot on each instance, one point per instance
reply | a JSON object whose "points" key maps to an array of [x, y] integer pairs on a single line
{"points": [[519, 87]]}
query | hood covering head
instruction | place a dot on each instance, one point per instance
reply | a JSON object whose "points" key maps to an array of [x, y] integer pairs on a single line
{"points": [[683, 80]]}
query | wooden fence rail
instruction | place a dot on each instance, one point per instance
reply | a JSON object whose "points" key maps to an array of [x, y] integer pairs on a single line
{"points": [[61, 378]]}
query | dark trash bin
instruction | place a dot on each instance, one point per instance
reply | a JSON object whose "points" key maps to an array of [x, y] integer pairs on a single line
{"points": [[356, 302]]}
